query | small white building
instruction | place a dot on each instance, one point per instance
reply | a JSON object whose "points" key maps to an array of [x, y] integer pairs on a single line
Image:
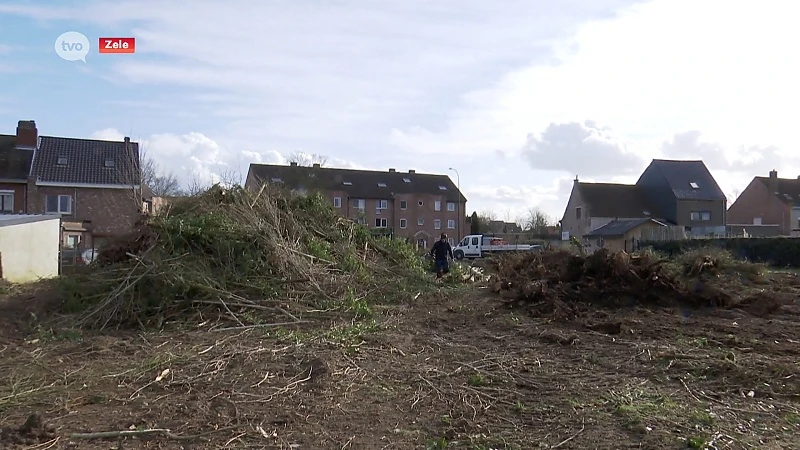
{"points": [[29, 247]]}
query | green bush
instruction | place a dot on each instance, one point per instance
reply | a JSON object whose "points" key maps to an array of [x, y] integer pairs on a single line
{"points": [[781, 252]]}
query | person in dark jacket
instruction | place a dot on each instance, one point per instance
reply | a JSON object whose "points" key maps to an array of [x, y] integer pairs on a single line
{"points": [[440, 252]]}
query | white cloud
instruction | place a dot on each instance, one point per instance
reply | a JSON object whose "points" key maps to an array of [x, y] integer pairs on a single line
{"points": [[463, 83]]}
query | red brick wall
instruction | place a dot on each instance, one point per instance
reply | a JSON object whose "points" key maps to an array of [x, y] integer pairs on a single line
{"points": [[111, 211], [19, 195], [757, 201]]}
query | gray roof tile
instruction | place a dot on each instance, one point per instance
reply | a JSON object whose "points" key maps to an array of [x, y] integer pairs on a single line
{"points": [[689, 180], [86, 161], [788, 189], [619, 227], [358, 183], [615, 200], [15, 164]]}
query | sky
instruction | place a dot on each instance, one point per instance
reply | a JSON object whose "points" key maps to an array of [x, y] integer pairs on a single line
{"points": [[519, 97]]}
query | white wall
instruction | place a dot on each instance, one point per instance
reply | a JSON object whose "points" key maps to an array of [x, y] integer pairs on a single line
{"points": [[30, 251]]}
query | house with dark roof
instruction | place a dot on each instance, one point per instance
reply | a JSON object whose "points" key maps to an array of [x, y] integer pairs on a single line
{"points": [[623, 234], [16, 156], [768, 206], [95, 186], [673, 193], [416, 206]]}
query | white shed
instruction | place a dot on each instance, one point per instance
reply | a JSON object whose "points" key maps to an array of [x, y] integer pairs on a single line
{"points": [[29, 246]]}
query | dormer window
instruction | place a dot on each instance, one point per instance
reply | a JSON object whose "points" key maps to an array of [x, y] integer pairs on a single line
{"points": [[276, 180], [694, 185], [407, 180], [347, 183], [108, 163], [442, 188], [62, 161], [381, 184], [646, 212]]}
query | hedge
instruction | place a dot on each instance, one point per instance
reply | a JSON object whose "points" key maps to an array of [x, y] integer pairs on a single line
{"points": [[781, 251]]}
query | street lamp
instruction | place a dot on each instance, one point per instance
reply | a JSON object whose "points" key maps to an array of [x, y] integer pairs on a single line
{"points": [[458, 205]]}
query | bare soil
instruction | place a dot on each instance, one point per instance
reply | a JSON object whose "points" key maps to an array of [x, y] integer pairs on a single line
{"points": [[459, 368]]}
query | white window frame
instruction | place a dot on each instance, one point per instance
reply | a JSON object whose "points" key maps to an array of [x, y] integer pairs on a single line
{"points": [[381, 222], [3, 203], [361, 204], [337, 202], [451, 206], [437, 205], [403, 223], [403, 202], [451, 224], [701, 216], [437, 224], [420, 222], [58, 210], [421, 203], [382, 204]]}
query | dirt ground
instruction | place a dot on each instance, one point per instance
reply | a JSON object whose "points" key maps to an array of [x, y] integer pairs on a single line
{"points": [[459, 368]]}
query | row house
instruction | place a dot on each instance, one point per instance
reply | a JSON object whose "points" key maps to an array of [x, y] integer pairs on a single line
{"points": [[411, 205], [95, 186], [768, 206]]}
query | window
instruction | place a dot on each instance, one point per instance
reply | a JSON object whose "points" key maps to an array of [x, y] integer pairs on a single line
{"points": [[403, 204], [403, 223], [359, 203], [72, 241], [694, 185], [109, 163], [347, 183], [381, 223], [381, 184], [578, 212], [442, 188], [475, 241], [756, 220], [59, 204], [420, 222], [406, 180], [420, 203], [7, 201], [700, 216], [437, 224], [451, 206], [437, 205], [276, 179], [451, 224], [62, 161], [382, 204], [337, 202]]}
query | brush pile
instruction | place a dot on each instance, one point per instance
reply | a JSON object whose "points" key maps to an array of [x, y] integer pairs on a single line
{"points": [[561, 283], [232, 247]]}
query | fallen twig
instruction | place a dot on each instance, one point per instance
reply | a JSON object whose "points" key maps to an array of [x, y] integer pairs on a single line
{"points": [[583, 427], [261, 325], [163, 431]]}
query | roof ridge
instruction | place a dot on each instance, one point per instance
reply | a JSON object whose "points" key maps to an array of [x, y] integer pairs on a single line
{"points": [[87, 139]]}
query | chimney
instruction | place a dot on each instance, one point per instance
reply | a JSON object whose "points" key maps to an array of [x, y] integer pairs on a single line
{"points": [[575, 182], [773, 180], [316, 165], [293, 164], [27, 134], [412, 171], [127, 140], [393, 171]]}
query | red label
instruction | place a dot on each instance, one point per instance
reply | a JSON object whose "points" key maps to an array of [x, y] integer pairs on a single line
{"points": [[117, 45]]}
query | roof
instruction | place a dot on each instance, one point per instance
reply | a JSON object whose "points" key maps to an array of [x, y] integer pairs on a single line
{"points": [[360, 183], [7, 220], [620, 227], [15, 164], [788, 189], [689, 180], [615, 200], [84, 161]]}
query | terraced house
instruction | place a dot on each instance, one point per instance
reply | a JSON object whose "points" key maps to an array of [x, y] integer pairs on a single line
{"points": [[411, 205], [95, 186]]}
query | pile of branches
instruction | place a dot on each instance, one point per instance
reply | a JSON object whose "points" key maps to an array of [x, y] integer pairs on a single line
{"points": [[561, 283], [230, 247]]}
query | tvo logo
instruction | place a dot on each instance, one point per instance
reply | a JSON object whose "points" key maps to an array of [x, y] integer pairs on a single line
{"points": [[72, 46]]}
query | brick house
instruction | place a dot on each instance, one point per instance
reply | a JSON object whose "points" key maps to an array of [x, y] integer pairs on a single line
{"points": [[769, 206], [679, 193], [415, 206], [94, 185], [16, 156]]}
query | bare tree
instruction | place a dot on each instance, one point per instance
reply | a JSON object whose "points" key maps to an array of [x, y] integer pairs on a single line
{"points": [[307, 159], [163, 184], [535, 221]]}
